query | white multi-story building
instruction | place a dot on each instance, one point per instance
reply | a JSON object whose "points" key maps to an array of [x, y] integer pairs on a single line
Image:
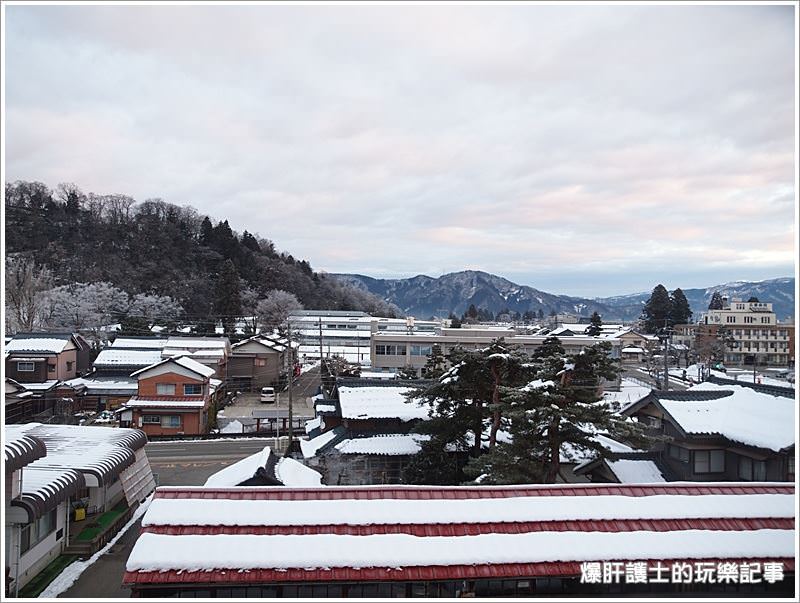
{"points": [[757, 334], [347, 334]]}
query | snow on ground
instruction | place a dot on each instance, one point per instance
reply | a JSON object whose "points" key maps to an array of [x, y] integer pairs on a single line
{"points": [[308, 367], [155, 552], [73, 571], [748, 416], [199, 512], [629, 393], [636, 471]]}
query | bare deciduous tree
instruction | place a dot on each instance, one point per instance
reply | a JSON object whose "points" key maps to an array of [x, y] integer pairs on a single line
{"points": [[25, 288]]}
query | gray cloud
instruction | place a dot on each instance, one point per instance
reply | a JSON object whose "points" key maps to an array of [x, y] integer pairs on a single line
{"points": [[543, 143]]}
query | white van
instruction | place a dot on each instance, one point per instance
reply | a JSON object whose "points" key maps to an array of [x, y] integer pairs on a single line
{"points": [[267, 395]]}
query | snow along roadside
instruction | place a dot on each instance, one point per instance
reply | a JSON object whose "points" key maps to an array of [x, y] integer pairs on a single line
{"points": [[73, 571]]}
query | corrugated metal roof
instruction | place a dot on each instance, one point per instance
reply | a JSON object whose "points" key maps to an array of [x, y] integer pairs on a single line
{"points": [[388, 574], [462, 492], [473, 529]]}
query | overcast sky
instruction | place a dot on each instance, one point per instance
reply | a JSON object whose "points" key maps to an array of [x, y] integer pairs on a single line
{"points": [[581, 150]]}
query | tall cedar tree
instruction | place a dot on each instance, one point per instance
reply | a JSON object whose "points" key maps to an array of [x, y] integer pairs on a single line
{"points": [[680, 312], [595, 323], [657, 310], [227, 298], [716, 301], [558, 414], [467, 400]]}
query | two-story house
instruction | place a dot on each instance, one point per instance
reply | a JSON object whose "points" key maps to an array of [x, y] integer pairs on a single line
{"points": [[257, 362], [38, 362], [173, 397], [721, 432]]}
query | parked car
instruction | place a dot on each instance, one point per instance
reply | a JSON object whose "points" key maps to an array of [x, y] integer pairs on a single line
{"points": [[267, 395]]}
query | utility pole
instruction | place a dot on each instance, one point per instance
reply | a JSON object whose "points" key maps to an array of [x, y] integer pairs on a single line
{"points": [[291, 379], [320, 340]]}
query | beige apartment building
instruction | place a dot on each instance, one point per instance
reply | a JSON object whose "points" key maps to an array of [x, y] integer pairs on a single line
{"points": [[756, 332], [391, 352]]}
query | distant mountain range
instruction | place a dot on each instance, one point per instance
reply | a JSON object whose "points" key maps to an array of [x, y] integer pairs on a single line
{"points": [[423, 296]]}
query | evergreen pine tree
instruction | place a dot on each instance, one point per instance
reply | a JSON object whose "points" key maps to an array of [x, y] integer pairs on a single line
{"points": [[556, 415], [432, 466], [408, 373], [435, 364], [595, 323], [540, 314], [680, 312], [656, 312], [467, 399], [716, 301]]}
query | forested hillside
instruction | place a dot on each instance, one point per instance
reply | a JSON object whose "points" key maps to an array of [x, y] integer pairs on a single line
{"points": [[157, 248]]}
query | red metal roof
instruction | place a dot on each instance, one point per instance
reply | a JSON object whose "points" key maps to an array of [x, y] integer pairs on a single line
{"points": [[465, 492], [424, 573], [388, 574], [474, 529]]}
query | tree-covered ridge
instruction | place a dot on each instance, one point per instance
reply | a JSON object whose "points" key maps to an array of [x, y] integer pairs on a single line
{"points": [[158, 248]]}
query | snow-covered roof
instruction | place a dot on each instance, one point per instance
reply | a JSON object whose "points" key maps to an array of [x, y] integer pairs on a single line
{"points": [[101, 452], [165, 402], [295, 474], [193, 535], [191, 343], [43, 488], [112, 357], [633, 350], [40, 387], [387, 444], [313, 424], [37, 344], [20, 449], [636, 471], [116, 385], [202, 353], [311, 447], [379, 403], [185, 362], [748, 417], [287, 470], [136, 343]]}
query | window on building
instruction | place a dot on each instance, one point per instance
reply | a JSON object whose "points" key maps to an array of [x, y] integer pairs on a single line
{"points": [[25, 367], [171, 421], [165, 389], [69, 365], [33, 533], [709, 461], [731, 319], [420, 350], [765, 319], [752, 470], [790, 467], [151, 419], [192, 389], [259, 362], [746, 333], [679, 453], [51, 368]]}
